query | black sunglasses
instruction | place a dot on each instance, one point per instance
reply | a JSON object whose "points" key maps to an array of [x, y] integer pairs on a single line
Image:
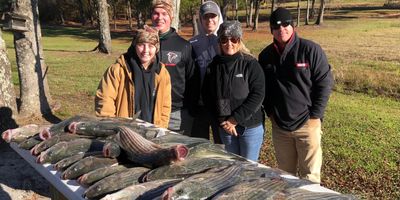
{"points": [[225, 40], [278, 26]]}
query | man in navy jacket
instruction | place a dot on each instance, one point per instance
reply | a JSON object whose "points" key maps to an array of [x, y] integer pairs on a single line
{"points": [[298, 85]]}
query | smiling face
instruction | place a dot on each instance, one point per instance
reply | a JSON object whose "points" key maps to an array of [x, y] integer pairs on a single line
{"points": [[161, 19], [209, 22], [229, 45], [146, 52], [282, 33]]}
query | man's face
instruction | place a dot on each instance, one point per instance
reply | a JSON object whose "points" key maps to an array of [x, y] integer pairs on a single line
{"points": [[282, 32], [209, 22], [161, 20]]}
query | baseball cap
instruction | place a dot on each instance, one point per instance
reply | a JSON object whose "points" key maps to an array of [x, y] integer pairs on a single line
{"points": [[209, 7]]}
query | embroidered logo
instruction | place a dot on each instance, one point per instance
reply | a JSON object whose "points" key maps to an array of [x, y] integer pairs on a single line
{"points": [[302, 65], [171, 57], [239, 75]]}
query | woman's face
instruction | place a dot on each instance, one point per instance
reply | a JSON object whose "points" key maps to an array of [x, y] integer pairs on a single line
{"points": [[146, 52], [229, 45]]}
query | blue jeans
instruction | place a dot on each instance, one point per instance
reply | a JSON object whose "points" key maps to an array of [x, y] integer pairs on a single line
{"points": [[248, 142]]}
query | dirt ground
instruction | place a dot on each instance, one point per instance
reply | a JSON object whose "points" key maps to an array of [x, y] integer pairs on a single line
{"points": [[18, 180]]}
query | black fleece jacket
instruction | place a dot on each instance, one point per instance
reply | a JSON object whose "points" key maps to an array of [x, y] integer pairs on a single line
{"points": [[234, 86], [298, 82], [176, 54]]}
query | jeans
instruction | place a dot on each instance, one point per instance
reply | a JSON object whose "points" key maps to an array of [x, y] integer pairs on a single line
{"points": [[181, 122], [248, 142]]}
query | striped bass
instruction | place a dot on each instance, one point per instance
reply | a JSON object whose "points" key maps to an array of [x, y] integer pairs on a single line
{"points": [[204, 185], [66, 162], [98, 174], [22, 133], [115, 182], [62, 127], [295, 193], [86, 165], [30, 142], [146, 152], [51, 142]]}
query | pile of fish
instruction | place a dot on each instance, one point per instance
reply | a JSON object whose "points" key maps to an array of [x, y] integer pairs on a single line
{"points": [[118, 158]]}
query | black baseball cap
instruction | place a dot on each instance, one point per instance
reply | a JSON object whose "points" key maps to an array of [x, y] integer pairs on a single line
{"points": [[280, 16]]}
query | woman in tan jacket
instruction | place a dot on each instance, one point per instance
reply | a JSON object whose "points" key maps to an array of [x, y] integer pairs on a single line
{"points": [[137, 83]]}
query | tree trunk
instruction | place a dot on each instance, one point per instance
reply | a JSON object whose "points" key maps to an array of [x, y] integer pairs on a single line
{"points": [[251, 11], [298, 13], [196, 23], [129, 13], [273, 5], [320, 19], [139, 19], [34, 90], [175, 20], [114, 8], [307, 13], [82, 13], [257, 7], [104, 27], [225, 10], [7, 94], [247, 14], [236, 10], [312, 12]]}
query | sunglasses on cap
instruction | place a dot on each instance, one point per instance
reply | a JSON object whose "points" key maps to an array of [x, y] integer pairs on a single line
{"points": [[224, 40], [283, 24]]}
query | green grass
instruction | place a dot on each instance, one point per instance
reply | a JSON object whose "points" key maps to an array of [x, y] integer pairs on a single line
{"points": [[361, 139]]}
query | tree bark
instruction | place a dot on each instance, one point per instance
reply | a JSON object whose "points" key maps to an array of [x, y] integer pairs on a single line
{"points": [[307, 13], [320, 19], [104, 27], [257, 10], [236, 10], [251, 11], [7, 94], [247, 14], [34, 90], [225, 10], [129, 13], [175, 20], [196, 23], [298, 13], [312, 12], [273, 5]]}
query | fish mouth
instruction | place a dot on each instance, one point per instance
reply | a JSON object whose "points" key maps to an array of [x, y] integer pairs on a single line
{"points": [[181, 151], [45, 134], [167, 195], [72, 127], [6, 135]]}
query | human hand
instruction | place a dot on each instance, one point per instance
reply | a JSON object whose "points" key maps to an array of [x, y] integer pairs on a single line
{"points": [[230, 126]]}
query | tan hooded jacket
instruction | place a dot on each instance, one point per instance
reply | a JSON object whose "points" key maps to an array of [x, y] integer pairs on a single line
{"points": [[115, 94]]}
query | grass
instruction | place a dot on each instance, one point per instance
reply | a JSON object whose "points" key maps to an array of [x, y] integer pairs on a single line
{"points": [[361, 139]]}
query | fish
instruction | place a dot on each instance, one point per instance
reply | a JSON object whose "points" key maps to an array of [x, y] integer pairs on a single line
{"points": [[186, 168], [115, 182], [148, 190], [296, 193], [100, 173], [66, 149], [62, 127], [66, 162], [179, 139], [111, 150], [208, 150], [143, 151], [22, 133], [52, 141], [86, 165], [204, 185], [254, 189], [29, 143]]}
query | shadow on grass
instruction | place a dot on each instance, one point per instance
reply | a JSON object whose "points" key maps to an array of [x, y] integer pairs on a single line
{"points": [[82, 33]]}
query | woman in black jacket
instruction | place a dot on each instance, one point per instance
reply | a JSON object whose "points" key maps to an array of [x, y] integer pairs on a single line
{"points": [[233, 91]]}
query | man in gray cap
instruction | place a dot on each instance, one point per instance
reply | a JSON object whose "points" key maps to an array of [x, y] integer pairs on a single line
{"points": [[205, 47], [298, 85]]}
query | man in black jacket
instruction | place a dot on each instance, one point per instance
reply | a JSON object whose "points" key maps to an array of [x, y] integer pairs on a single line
{"points": [[298, 85], [175, 53]]}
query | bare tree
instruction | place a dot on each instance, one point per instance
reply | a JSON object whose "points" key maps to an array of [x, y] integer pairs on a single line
{"points": [[129, 13], [7, 94], [320, 19], [34, 91], [104, 45], [225, 9], [247, 14], [251, 11], [312, 12], [236, 10], [82, 12], [175, 20], [298, 13], [307, 21], [257, 7], [273, 5]]}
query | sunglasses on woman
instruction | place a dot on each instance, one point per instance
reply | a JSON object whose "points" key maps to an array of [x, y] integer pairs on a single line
{"points": [[224, 40], [278, 26]]}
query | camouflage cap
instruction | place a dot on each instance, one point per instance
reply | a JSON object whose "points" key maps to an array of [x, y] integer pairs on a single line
{"points": [[167, 5], [230, 29]]}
